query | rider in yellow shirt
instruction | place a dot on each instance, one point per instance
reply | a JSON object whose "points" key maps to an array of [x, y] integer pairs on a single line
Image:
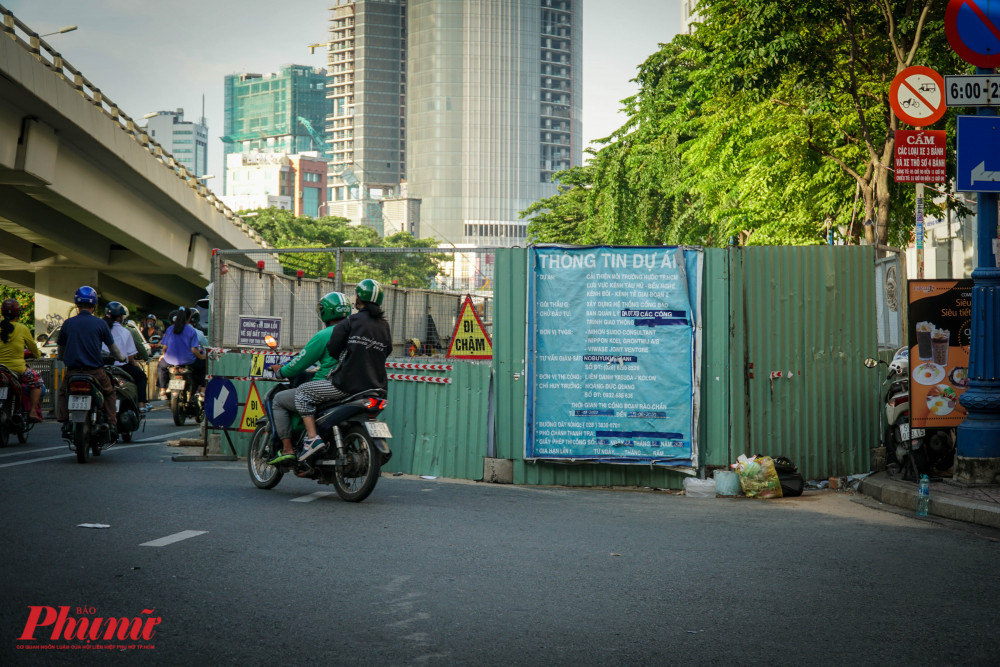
{"points": [[14, 339]]}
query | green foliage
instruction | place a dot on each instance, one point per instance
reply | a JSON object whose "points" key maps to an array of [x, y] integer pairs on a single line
{"points": [[283, 230], [771, 124], [27, 301]]}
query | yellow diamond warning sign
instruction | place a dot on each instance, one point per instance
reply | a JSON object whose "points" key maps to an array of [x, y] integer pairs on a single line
{"points": [[470, 340], [252, 411]]}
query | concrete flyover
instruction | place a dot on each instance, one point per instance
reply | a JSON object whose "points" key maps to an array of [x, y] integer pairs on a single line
{"points": [[86, 198]]}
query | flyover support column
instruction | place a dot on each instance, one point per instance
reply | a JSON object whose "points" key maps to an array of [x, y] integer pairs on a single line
{"points": [[54, 290]]}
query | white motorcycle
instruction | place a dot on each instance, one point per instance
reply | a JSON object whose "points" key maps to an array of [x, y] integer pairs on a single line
{"points": [[911, 451]]}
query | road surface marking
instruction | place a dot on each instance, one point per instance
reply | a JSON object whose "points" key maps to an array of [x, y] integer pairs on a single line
{"points": [[144, 442], [62, 456], [176, 537], [311, 497]]}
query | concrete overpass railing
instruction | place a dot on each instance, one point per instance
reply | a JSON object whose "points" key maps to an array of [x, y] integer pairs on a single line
{"points": [[53, 60]]}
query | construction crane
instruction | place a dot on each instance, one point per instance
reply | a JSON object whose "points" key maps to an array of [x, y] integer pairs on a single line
{"points": [[317, 138]]}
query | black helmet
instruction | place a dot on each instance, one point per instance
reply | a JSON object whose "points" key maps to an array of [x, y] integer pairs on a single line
{"points": [[115, 310]]}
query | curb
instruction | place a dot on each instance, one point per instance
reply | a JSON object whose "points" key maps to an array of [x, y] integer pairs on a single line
{"points": [[904, 494]]}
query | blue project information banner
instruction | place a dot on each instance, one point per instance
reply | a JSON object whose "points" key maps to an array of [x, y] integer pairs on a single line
{"points": [[611, 335]]}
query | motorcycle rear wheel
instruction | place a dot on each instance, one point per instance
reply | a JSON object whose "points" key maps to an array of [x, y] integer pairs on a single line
{"points": [[177, 410], [264, 476], [355, 481], [81, 441], [6, 426]]}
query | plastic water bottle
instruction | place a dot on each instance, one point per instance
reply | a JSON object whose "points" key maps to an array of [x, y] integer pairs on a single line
{"points": [[923, 495]]}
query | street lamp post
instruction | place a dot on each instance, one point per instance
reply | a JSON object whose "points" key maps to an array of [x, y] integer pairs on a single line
{"points": [[60, 31]]}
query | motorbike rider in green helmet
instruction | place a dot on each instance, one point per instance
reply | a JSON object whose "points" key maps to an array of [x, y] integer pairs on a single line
{"points": [[361, 343], [332, 308]]}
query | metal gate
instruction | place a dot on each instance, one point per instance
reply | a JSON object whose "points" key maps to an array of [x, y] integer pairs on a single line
{"points": [[803, 322]]}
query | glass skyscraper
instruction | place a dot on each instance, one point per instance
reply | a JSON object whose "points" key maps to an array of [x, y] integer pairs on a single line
{"points": [[266, 112], [185, 140], [489, 107]]}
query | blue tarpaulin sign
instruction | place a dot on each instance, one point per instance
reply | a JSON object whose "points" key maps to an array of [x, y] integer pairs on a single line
{"points": [[612, 354]]}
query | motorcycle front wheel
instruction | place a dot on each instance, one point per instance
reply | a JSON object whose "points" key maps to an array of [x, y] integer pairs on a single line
{"points": [[177, 409], [81, 441], [357, 479], [264, 476]]}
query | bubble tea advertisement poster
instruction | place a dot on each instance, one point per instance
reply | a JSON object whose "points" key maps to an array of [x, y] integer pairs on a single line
{"points": [[940, 324]]}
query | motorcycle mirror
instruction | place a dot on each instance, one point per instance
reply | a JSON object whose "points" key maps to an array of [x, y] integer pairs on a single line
{"points": [[271, 342], [871, 363]]}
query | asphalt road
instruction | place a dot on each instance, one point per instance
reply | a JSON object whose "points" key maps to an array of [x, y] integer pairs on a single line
{"points": [[430, 572]]}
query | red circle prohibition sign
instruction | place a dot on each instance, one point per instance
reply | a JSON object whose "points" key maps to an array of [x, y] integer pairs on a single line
{"points": [[973, 30], [917, 96]]}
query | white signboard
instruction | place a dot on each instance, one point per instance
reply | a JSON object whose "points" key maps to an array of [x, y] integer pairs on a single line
{"points": [[982, 90]]}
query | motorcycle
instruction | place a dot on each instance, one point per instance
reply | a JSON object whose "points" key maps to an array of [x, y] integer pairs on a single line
{"points": [[88, 430], [185, 401], [130, 418], [13, 411], [355, 438], [911, 451]]}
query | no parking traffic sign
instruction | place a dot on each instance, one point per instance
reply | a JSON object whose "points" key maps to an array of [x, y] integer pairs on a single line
{"points": [[917, 96], [973, 30]]}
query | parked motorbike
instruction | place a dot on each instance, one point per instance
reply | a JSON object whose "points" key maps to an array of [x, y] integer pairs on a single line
{"points": [[185, 401], [13, 411], [355, 438], [89, 431], [911, 451]]}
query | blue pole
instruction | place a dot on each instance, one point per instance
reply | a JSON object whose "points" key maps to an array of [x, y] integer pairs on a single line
{"points": [[978, 447]]}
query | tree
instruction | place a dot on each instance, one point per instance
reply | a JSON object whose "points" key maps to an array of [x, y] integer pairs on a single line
{"points": [[284, 230], [564, 217], [825, 68], [27, 301], [770, 124]]}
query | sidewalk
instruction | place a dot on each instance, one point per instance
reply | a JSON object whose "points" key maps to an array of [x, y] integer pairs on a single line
{"points": [[976, 505]]}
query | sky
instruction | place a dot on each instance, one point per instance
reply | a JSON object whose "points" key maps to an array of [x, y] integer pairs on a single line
{"points": [[161, 56]]}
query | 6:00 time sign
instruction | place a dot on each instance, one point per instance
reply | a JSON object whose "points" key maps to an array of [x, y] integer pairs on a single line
{"points": [[972, 90]]}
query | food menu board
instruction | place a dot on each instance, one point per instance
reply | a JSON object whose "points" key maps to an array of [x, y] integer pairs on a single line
{"points": [[940, 321], [611, 354]]}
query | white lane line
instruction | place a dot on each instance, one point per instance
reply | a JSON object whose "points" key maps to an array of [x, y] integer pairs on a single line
{"points": [[162, 437], [176, 537], [62, 456], [173, 435], [311, 497]]}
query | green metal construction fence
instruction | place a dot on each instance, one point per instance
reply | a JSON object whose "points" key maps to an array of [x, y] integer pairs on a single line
{"points": [[808, 313]]}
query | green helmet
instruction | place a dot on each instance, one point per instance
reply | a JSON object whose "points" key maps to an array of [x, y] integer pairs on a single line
{"points": [[370, 290], [333, 306]]}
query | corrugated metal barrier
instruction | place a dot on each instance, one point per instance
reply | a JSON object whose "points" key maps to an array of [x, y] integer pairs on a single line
{"points": [[785, 332]]}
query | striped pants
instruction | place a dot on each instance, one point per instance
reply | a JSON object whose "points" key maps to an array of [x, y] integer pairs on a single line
{"points": [[310, 394]]}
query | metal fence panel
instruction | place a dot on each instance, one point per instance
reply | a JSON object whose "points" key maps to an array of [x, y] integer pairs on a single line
{"points": [[422, 319], [807, 324]]}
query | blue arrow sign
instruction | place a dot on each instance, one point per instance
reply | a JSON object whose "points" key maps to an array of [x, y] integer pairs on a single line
{"points": [[978, 154], [221, 402]]}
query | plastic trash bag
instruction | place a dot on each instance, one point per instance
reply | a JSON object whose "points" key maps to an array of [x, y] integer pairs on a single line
{"points": [[727, 483], [699, 488], [758, 477]]}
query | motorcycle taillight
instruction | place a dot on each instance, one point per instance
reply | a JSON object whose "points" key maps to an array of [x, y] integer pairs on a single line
{"points": [[897, 401], [376, 403], [79, 386]]}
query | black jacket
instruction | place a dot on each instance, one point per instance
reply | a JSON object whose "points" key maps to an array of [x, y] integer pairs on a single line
{"points": [[361, 343]]}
